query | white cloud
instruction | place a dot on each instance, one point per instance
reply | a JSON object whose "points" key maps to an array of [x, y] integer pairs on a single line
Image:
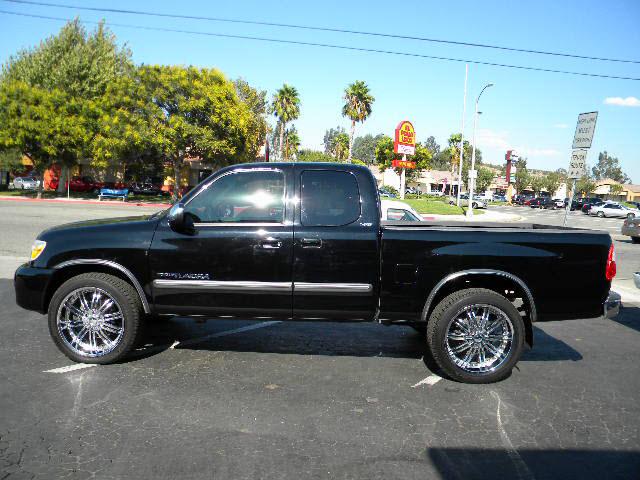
{"points": [[623, 102], [561, 125], [500, 141]]}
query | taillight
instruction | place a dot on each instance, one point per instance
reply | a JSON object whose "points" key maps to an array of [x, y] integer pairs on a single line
{"points": [[610, 271]]}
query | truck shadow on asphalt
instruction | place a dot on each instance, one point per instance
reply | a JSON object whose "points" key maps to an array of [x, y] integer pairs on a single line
{"points": [[474, 463], [629, 317], [320, 338]]}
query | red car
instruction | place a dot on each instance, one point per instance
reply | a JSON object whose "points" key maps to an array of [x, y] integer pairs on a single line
{"points": [[85, 184]]}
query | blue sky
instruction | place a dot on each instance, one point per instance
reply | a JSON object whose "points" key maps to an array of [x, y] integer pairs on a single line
{"points": [[532, 112]]}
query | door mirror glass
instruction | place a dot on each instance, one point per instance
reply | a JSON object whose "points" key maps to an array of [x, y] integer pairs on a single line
{"points": [[179, 220]]}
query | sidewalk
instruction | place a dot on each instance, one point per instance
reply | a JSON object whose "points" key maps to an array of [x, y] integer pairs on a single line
{"points": [[80, 201]]}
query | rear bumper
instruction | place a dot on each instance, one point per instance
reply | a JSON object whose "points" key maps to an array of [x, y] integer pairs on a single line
{"points": [[31, 286], [612, 305]]}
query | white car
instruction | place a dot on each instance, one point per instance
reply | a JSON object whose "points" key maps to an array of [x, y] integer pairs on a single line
{"points": [[399, 211], [25, 183], [477, 202], [612, 209]]}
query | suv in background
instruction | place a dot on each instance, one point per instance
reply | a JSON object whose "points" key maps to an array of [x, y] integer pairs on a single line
{"points": [[578, 203]]}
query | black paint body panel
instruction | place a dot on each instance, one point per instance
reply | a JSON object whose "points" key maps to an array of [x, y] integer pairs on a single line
{"points": [[401, 261]]}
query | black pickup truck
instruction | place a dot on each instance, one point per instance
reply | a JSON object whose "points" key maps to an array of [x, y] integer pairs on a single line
{"points": [[305, 242]]}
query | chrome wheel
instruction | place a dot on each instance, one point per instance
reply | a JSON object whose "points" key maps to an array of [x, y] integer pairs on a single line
{"points": [[479, 338], [90, 322]]}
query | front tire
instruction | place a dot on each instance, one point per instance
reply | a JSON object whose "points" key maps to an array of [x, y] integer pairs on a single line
{"points": [[600, 214], [95, 318], [476, 336]]}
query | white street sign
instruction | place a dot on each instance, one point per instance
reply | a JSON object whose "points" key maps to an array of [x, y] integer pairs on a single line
{"points": [[473, 173], [406, 149], [577, 164], [584, 130]]}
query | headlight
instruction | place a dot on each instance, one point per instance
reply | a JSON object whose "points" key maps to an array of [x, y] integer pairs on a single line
{"points": [[37, 248]]}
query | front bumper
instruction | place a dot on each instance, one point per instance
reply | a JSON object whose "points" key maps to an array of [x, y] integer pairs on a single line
{"points": [[612, 305], [31, 285]]}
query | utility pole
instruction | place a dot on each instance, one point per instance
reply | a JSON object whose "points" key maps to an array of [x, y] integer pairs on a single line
{"points": [[472, 173], [464, 112]]}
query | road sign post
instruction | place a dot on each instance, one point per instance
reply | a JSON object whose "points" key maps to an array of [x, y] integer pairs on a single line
{"points": [[582, 139], [404, 143]]}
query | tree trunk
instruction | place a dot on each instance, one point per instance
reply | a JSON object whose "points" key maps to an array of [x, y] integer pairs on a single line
{"points": [[281, 141], [40, 184], [176, 179], [353, 131], [63, 177]]}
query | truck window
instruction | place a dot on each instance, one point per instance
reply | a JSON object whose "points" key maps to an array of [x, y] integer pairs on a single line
{"points": [[400, 214], [329, 198], [241, 197]]}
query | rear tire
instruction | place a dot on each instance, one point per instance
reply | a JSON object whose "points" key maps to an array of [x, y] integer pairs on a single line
{"points": [[494, 340], [101, 331], [600, 214]]}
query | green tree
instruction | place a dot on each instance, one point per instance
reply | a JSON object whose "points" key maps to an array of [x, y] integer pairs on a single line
{"points": [[385, 156], [552, 182], [483, 180], [257, 127], [608, 166], [291, 143], [523, 178], [453, 152], [357, 107], [615, 190], [340, 149], [364, 148], [191, 112], [306, 155], [330, 138], [74, 61], [79, 65], [11, 160], [537, 183], [431, 145], [44, 126], [585, 185], [285, 105]]}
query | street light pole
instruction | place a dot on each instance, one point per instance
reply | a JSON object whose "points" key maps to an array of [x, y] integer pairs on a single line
{"points": [[464, 112], [472, 181]]}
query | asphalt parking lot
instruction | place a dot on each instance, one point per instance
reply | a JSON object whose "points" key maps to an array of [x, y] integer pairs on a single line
{"points": [[241, 399]]}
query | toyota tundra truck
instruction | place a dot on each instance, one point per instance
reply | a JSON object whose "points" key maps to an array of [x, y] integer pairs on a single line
{"points": [[305, 241]]}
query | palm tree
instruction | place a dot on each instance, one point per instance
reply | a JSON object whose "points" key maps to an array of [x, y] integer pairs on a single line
{"points": [[291, 143], [357, 107], [286, 107]]}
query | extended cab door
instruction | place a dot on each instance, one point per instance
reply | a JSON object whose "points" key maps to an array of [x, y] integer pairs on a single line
{"points": [[336, 259], [238, 260]]}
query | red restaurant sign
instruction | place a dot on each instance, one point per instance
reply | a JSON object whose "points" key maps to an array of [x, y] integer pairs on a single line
{"points": [[403, 164], [405, 140]]}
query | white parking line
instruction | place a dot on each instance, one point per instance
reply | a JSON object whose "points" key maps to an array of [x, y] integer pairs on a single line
{"points": [[176, 344], [430, 380], [71, 368]]}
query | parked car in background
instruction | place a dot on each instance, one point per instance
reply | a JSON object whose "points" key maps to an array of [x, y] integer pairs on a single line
{"points": [[611, 209], [560, 203], [24, 183], [586, 208], [145, 188], [399, 211], [499, 198], [631, 228], [477, 202], [81, 184], [522, 199], [412, 191], [386, 193], [578, 203], [542, 203]]}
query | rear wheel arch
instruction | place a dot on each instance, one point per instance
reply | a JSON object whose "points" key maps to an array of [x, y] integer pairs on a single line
{"points": [[72, 268], [503, 283]]}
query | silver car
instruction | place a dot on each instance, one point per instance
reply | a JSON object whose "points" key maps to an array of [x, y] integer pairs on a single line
{"points": [[477, 201], [611, 209], [25, 183]]}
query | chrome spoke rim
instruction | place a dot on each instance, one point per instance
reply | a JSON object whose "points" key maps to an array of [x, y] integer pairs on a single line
{"points": [[90, 322], [479, 338]]}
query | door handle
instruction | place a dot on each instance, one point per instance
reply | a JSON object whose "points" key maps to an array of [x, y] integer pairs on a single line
{"points": [[311, 242], [270, 244]]}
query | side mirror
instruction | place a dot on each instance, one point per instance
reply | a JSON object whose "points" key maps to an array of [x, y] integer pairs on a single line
{"points": [[179, 221]]}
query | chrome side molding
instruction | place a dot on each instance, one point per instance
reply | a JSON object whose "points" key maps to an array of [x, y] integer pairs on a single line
{"points": [[306, 288], [481, 271], [117, 266]]}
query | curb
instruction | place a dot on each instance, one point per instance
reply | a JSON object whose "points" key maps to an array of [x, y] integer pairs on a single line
{"points": [[83, 202]]}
